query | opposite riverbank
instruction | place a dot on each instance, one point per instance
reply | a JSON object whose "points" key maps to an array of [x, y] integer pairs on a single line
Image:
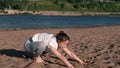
{"points": [[60, 13]]}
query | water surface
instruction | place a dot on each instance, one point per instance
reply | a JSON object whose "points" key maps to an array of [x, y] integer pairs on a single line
{"points": [[37, 21]]}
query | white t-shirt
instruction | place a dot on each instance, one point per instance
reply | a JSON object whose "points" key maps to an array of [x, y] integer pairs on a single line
{"points": [[48, 39]]}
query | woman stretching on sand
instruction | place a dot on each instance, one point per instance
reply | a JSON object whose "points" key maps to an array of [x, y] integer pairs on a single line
{"points": [[44, 43]]}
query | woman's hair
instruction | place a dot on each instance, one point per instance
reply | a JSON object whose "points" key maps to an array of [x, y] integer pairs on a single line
{"points": [[61, 36]]}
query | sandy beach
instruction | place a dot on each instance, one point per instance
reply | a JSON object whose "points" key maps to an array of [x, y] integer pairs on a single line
{"points": [[99, 47], [57, 13]]}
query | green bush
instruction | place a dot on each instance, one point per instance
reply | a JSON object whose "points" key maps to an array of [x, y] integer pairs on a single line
{"points": [[67, 6], [61, 5]]}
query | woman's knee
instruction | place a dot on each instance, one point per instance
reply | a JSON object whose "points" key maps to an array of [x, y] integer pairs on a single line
{"points": [[41, 46]]}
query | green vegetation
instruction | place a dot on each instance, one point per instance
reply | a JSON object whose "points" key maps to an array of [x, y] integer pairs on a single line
{"points": [[62, 5]]}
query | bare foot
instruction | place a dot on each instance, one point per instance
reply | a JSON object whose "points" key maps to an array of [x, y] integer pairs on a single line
{"points": [[38, 59]]}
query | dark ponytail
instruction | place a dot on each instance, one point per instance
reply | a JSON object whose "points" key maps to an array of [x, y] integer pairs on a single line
{"points": [[61, 36]]}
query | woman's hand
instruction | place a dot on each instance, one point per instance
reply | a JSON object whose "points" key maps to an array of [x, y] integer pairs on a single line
{"points": [[71, 67], [81, 62], [61, 57]]}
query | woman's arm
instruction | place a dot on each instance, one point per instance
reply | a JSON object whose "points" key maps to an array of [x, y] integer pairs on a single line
{"points": [[72, 55], [61, 57]]}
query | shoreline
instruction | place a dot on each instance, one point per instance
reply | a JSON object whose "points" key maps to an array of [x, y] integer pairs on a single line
{"points": [[57, 13], [87, 27]]}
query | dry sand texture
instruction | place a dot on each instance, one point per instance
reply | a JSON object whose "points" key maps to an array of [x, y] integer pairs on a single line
{"points": [[98, 46]]}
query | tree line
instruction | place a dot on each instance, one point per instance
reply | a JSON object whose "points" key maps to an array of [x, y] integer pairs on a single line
{"points": [[62, 5]]}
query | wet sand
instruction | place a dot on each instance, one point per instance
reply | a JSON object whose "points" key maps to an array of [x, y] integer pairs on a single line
{"points": [[98, 46]]}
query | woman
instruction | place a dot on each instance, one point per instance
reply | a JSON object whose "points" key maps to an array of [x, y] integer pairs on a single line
{"points": [[44, 43]]}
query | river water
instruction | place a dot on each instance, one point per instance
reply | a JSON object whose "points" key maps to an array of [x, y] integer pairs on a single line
{"points": [[37, 21]]}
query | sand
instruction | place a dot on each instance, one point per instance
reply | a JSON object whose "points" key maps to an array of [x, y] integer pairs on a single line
{"points": [[56, 13], [99, 47]]}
